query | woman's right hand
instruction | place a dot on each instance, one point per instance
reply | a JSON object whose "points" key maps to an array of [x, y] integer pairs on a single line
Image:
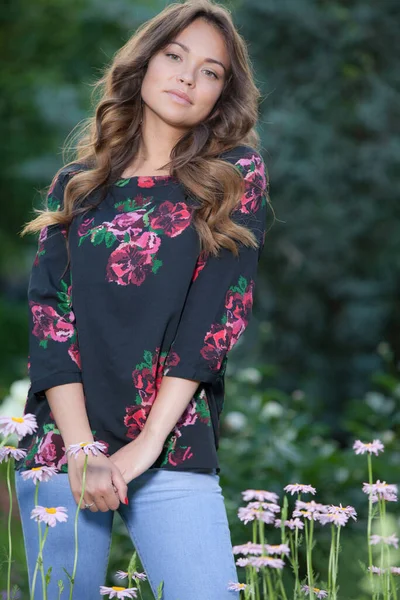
{"points": [[104, 483]]}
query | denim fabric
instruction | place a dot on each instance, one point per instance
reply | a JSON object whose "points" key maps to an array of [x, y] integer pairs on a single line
{"points": [[177, 522]]}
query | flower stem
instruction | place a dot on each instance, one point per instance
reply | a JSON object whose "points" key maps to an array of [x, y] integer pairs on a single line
{"points": [[9, 528], [369, 526], [39, 562], [78, 508]]}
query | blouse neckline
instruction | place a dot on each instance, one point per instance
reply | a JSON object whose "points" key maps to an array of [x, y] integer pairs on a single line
{"points": [[145, 181]]}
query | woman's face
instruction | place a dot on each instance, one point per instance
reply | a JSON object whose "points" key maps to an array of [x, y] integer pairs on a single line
{"points": [[195, 64]]}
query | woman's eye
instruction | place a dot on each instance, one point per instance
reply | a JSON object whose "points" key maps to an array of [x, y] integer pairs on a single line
{"points": [[172, 54], [211, 73]]}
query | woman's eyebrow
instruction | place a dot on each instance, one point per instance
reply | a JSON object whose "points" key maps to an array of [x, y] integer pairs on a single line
{"points": [[210, 60]]}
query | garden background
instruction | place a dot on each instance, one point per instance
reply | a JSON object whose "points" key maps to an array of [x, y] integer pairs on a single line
{"points": [[318, 366]]}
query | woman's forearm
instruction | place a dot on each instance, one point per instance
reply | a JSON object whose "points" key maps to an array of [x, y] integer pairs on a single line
{"points": [[67, 403], [172, 399]]}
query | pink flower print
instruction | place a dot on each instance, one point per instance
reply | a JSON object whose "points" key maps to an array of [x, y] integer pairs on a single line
{"points": [[50, 449], [145, 182], [149, 242], [127, 222], [179, 455], [217, 343], [49, 324], [134, 420], [145, 384], [85, 226], [128, 264], [254, 173], [74, 354], [200, 264], [171, 218], [189, 417]]}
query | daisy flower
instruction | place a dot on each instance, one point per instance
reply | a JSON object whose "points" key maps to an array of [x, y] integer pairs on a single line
{"points": [[50, 516], [87, 447], [300, 488], [395, 570], [248, 548], [41, 474], [236, 587], [261, 495], [391, 540], [118, 592], [135, 575], [349, 511], [372, 447], [20, 426], [266, 561], [311, 506], [319, 593], [246, 514], [337, 518], [307, 514], [13, 451], [277, 549], [291, 523], [382, 490], [376, 570], [271, 506]]}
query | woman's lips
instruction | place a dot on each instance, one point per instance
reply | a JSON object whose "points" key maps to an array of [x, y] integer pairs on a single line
{"points": [[178, 99]]}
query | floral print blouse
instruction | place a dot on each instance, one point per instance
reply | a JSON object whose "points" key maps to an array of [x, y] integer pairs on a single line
{"points": [[137, 302]]}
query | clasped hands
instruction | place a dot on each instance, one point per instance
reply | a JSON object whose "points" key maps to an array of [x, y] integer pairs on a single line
{"points": [[107, 478]]}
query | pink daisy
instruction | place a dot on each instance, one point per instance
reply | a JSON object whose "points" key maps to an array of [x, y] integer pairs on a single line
{"points": [[391, 540], [135, 575], [20, 426], [349, 511], [319, 593], [382, 490], [50, 516], [261, 495], [271, 506], [277, 549], [266, 561], [376, 570], [87, 447], [307, 514], [11, 451], [236, 587], [311, 506], [118, 592], [41, 474], [339, 519], [246, 514], [395, 570], [291, 523], [248, 548], [294, 488], [372, 447]]}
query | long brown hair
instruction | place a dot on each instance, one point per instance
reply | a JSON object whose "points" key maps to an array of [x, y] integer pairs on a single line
{"points": [[109, 139]]}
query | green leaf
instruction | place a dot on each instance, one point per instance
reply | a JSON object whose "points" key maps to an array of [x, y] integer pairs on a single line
{"points": [[156, 265], [98, 236], [110, 239]]}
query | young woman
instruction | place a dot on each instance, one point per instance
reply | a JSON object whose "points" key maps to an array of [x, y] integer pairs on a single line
{"points": [[143, 282]]}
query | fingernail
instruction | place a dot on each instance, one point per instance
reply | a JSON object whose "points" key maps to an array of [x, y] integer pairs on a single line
{"points": [[126, 500]]}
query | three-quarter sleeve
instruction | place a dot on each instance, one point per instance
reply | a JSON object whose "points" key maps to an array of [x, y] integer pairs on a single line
{"points": [[54, 357], [219, 302]]}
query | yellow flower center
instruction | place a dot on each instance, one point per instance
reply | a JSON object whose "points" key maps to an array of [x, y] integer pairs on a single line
{"points": [[17, 419], [82, 445], [316, 590], [51, 511], [11, 447], [36, 469], [241, 586], [117, 589]]}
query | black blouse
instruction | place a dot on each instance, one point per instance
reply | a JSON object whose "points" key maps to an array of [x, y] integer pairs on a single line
{"points": [[139, 301]]}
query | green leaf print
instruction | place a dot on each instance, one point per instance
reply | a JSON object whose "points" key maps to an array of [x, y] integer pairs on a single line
{"points": [[110, 239], [53, 203], [148, 357], [156, 265], [99, 236], [127, 237], [202, 409], [242, 284], [43, 343], [123, 182]]}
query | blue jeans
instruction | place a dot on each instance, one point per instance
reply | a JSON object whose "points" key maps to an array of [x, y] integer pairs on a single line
{"points": [[177, 522]]}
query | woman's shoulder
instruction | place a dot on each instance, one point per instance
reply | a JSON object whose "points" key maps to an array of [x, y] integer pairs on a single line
{"points": [[241, 152]]}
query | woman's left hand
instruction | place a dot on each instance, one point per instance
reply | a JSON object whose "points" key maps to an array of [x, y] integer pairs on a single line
{"points": [[135, 458]]}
